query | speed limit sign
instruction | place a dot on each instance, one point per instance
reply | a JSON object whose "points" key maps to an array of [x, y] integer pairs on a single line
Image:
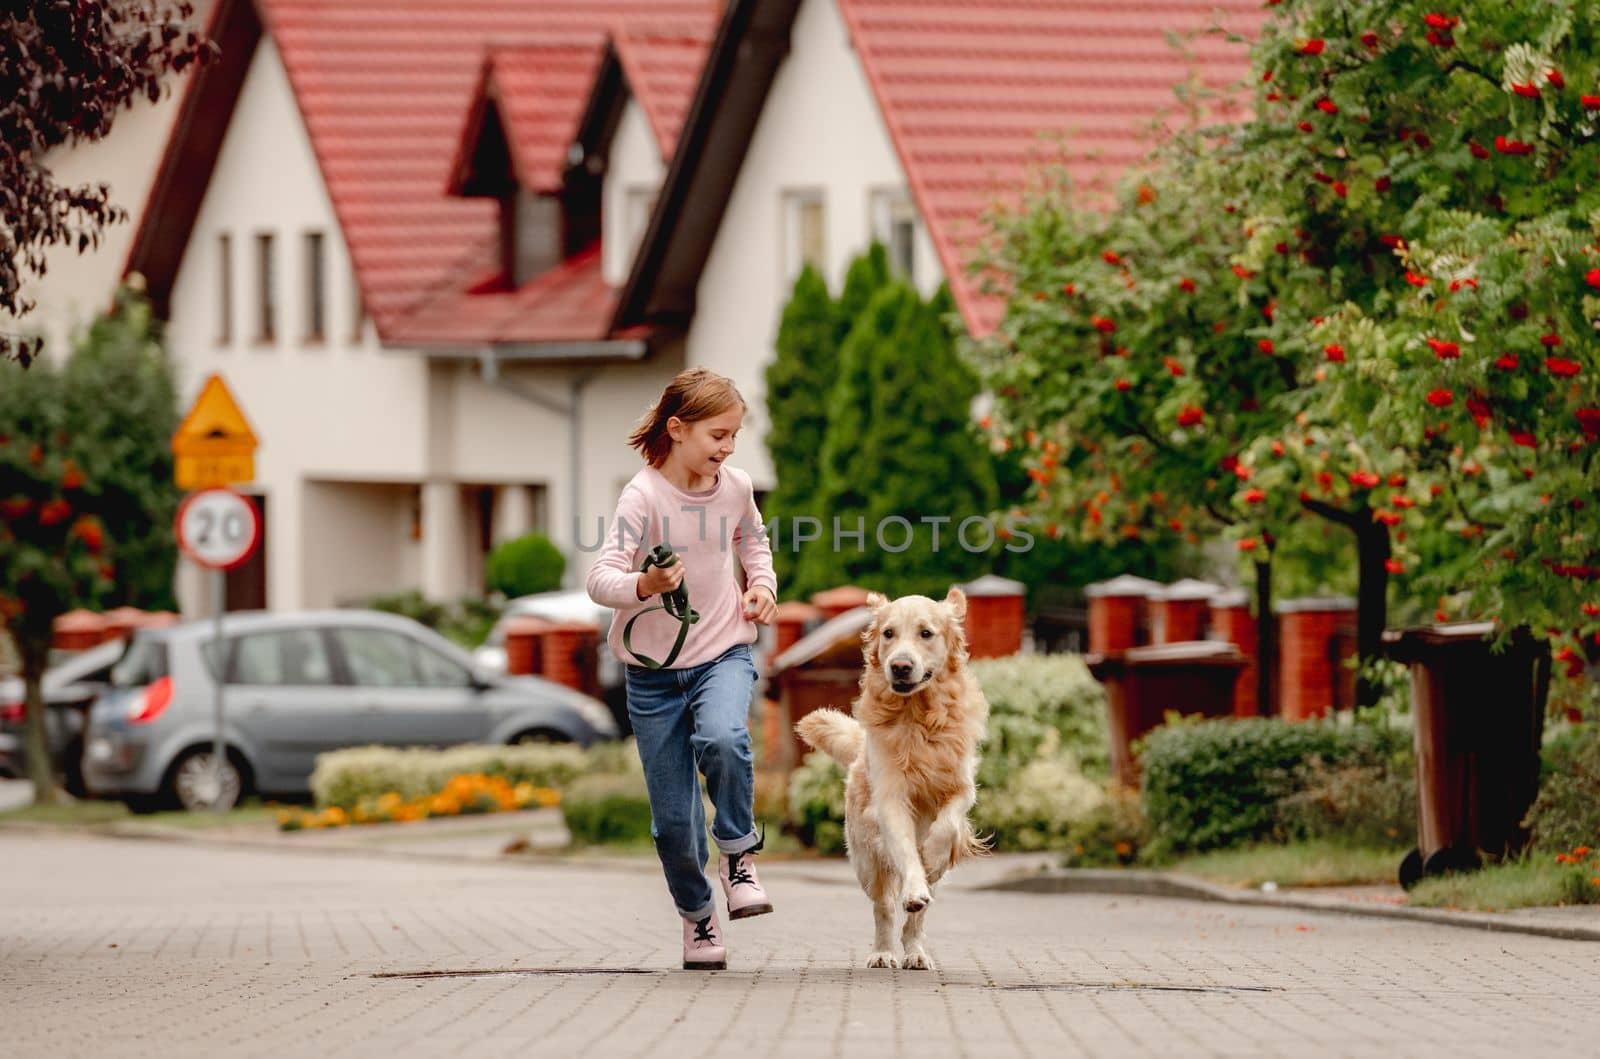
{"points": [[218, 528]]}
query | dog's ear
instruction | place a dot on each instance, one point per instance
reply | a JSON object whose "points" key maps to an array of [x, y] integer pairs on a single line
{"points": [[956, 600], [876, 601]]}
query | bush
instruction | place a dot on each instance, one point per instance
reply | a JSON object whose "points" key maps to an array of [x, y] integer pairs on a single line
{"points": [[1567, 811], [344, 778], [1040, 802], [1109, 835], [524, 565], [1032, 696], [465, 622], [816, 803], [1213, 784], [606, 808], [1365, 805]]}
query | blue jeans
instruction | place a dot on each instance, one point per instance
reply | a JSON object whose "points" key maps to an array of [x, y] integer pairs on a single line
{"points": [[691, 721]]}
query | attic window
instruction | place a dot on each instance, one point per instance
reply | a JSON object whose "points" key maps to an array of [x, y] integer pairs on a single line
{"points": [[530, 235], [805, 232]]}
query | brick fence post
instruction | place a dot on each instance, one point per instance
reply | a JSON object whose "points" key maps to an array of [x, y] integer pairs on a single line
{"points": [[1318, 636], [995, 616], [1116, 612]]}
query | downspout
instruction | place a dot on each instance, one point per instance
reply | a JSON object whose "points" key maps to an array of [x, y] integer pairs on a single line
{"points": [[571, 410]]}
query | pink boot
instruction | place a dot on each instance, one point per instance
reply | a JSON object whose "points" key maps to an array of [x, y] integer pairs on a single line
{"points": [[740, 886], [703, 949]]}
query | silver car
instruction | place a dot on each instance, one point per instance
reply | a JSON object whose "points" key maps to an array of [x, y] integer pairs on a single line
{"points": [[299, 685]]}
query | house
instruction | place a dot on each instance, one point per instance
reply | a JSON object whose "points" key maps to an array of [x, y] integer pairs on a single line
{"points": [[445, 257]]}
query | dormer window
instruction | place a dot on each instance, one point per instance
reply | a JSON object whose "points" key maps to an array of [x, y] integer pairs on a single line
{"points": [[548, 208]]}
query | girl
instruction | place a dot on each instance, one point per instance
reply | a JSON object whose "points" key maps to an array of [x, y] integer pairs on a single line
{"points": [[690, 716]]}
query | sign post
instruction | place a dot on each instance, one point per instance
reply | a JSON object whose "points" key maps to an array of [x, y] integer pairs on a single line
{"points": [[218, 528]]}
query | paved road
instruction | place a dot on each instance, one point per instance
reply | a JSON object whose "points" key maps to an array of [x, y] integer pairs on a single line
{"points": [[115, 947]]}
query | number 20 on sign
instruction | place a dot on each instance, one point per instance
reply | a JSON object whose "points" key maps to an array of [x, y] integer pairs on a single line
{"points": [[218, 528]]}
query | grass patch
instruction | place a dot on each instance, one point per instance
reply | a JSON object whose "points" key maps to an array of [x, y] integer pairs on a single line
{"points": [[1532, 881], [1318, 863], [94, 813]]}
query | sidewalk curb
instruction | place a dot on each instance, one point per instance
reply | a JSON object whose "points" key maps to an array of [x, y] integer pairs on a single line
{"points": [[1135, 883]]}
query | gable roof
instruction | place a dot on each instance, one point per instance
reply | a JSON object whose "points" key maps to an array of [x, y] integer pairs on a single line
{"points": [[662, 64], [383, 89], [537, 91], [966, 89]]}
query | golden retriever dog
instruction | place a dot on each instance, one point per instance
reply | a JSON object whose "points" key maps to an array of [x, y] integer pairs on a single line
{"points": [[912, 753]]}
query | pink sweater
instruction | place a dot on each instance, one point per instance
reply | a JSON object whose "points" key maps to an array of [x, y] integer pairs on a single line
{"points": [[705, 529]]}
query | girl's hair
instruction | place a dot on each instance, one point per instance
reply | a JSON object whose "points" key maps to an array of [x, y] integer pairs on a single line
{"points": [[692, 395]]}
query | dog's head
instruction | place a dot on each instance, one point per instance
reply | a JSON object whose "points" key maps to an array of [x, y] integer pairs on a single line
{"points": [[913, 639]]}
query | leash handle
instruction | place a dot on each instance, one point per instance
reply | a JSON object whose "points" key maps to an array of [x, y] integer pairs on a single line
{"points": [[675, 603]]}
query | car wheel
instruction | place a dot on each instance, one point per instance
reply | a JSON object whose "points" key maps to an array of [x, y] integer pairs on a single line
{"points": [[192, 785], [540, 735]]}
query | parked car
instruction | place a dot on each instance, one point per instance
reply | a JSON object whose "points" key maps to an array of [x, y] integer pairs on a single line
{"points": [[298, 685], [563, 605], [70, 688]]}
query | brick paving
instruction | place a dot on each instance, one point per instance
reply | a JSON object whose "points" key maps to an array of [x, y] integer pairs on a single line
{"points": [[117, 947]]}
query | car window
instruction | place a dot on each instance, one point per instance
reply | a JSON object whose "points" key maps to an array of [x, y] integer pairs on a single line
{"points": [[285, 657], [379, 658], [437, 671], [144, 663]]}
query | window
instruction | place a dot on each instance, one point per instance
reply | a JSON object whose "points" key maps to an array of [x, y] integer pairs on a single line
{"points": [[894, 224], [805, 232], [437, 671], [378, 658], [224, 289], [266, 293], [292, 657], [316, 302]]}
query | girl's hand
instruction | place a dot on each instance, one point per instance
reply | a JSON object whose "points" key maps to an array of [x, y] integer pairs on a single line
{"points": [[659, 579], [759, 606]]}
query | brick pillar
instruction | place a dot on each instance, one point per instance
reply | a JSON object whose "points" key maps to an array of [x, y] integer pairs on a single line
{"points": [[790, 624], [567, 653], [1116, 613], [995, 616], [522, 645], [1317, 636], [835, 601], [1232, 622], [1179, 612], [77, 630]]}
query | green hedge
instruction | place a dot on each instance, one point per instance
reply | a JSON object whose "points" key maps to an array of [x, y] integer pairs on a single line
{"points": [[344, 777], [1567, 811], [607, 808], [1212, 784]]}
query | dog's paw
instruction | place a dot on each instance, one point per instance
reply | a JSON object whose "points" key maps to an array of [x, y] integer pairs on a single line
{"points": [[916, 960], [883, 959], [917, 898]]}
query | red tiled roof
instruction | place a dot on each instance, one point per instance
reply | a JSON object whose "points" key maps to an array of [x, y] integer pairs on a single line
{"points": [[967, 87], [663, 63], [541, 89], [568, 303], [383, 90]]}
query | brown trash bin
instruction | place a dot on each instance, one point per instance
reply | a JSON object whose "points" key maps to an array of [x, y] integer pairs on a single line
{"points": [[522, 645], [1479, 722], [822, 669], [1144, 684]]}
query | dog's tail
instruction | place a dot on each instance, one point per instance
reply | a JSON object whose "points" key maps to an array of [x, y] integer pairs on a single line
{"points": [[834, 733]]}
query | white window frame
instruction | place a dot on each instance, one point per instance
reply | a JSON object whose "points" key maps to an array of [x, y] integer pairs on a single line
{"points": [[887, 208], [795, 203]]}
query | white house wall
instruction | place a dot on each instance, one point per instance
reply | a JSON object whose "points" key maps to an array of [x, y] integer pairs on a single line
{"points": [[634, 162], [341, 409], [820, 129]]}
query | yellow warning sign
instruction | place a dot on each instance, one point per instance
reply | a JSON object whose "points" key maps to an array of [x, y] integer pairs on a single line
{"points": [[214, 445]]}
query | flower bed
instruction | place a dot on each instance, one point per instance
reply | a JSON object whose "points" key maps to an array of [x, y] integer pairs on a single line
{"points": [[462, 794]]}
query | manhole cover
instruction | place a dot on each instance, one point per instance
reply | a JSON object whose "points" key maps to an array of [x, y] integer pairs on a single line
{"points": [[1134, 987], [502, 972]]}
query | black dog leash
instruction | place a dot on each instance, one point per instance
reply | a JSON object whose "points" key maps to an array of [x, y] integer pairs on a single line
{"points": [[675, 603]]}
